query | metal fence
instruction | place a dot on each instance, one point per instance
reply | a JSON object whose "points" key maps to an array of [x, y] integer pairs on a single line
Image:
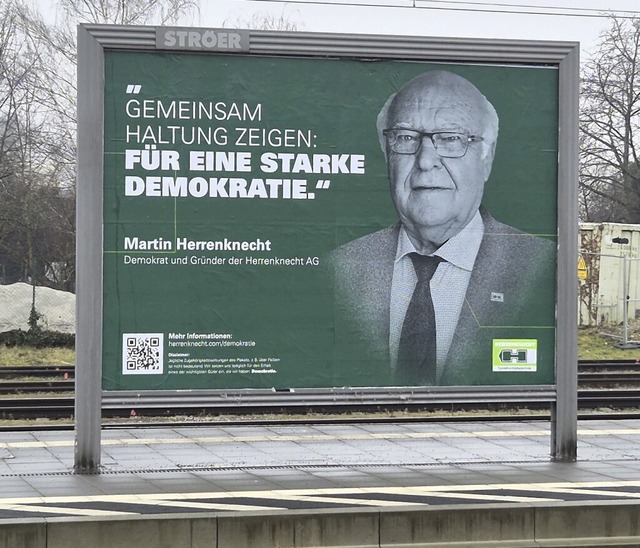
{"points": [[56, 309], [609, 273], [609, 294]]}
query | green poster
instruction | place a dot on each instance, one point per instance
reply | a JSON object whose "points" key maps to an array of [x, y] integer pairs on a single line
{"points": [[247, 204]]}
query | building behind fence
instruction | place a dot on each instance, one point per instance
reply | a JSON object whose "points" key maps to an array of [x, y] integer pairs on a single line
{"points": [[611, 269]]}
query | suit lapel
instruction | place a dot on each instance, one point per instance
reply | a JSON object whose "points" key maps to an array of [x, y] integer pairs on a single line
{"points": [[377, 288], [483, 307]]}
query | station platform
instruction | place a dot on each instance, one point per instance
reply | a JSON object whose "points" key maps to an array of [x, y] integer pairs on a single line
{"points": [[368, 485]]}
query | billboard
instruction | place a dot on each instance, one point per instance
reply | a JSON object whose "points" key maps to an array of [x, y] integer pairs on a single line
{"points": [[253, 207], [232, 183]]}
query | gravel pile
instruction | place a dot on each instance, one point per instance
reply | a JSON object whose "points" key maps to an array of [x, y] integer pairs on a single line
{"points": [[57, 308]]}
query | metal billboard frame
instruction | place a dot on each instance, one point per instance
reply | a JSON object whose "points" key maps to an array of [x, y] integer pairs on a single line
{"points": [[93, 40]]}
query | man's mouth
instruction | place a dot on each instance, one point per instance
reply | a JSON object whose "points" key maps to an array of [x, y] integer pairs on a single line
{"points": [[424, 187]]}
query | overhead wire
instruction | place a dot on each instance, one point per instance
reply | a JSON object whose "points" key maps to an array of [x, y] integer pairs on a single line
{"points": [[480, 7], [514, 8]]}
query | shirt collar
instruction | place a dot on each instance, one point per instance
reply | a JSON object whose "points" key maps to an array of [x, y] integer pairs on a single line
{"points": [[460, 250]]}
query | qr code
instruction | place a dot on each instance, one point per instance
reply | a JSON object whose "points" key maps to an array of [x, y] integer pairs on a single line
{"points": [[142, 353]]}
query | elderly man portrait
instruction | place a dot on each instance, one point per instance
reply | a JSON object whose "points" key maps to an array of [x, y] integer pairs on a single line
{"points": [[429, 294]]}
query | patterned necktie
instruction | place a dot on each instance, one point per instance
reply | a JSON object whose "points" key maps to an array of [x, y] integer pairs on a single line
{"points": [[417, 349]]}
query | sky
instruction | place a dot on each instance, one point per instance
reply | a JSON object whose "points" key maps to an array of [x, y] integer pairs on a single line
{"points": [[566, 20]]}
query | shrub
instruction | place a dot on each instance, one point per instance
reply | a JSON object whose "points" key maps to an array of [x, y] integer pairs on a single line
{"points": [[37, 338]]}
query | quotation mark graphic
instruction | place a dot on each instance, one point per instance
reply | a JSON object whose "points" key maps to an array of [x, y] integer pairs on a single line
{"points": [[323, 184], [134, 88]]}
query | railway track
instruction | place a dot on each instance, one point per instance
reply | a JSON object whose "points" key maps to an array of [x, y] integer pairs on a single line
{"points": [[31, 392], [40, 371]]}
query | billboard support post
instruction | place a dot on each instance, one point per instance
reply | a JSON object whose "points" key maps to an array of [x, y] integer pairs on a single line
{"points": [[564, 418], [89, 254]]}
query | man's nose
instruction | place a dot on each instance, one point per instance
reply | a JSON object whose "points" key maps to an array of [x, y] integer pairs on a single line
{"points": [[427, 157]]}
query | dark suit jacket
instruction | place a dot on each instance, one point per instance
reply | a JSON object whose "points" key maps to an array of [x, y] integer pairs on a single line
{"points": [[517, 265]]}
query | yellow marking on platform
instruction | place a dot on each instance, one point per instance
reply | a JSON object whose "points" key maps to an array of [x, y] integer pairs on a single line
{"points": [[373, 501], [273, 438], [212, 506], [311, 437], [454, 491], [577, 491], [338, 500], [58, 510], [35, 444]]}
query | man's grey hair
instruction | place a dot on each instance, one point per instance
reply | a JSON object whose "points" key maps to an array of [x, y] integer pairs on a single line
{"points": [[441, 78]]}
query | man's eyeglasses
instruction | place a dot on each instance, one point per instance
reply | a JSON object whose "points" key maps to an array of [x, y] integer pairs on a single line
{"points": [[448, 144]]}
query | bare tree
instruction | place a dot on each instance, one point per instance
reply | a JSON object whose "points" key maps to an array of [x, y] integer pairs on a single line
{"points": [[38, 124], [610, 104], [264, 21], [128, 12], [56, 45], [24, 131]]}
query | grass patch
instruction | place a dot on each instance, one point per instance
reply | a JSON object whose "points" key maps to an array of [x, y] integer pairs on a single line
{"points": [[29, 355], [596, 345]]}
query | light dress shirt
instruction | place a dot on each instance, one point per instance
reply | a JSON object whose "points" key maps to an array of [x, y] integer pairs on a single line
{"points": [[448, 286]]}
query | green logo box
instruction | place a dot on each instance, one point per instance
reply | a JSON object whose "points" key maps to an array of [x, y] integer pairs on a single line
{"points": [[515, 354]]}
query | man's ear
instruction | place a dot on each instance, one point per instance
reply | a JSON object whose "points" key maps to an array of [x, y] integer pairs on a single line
{"points": [[490, 152], [381, 123]]}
